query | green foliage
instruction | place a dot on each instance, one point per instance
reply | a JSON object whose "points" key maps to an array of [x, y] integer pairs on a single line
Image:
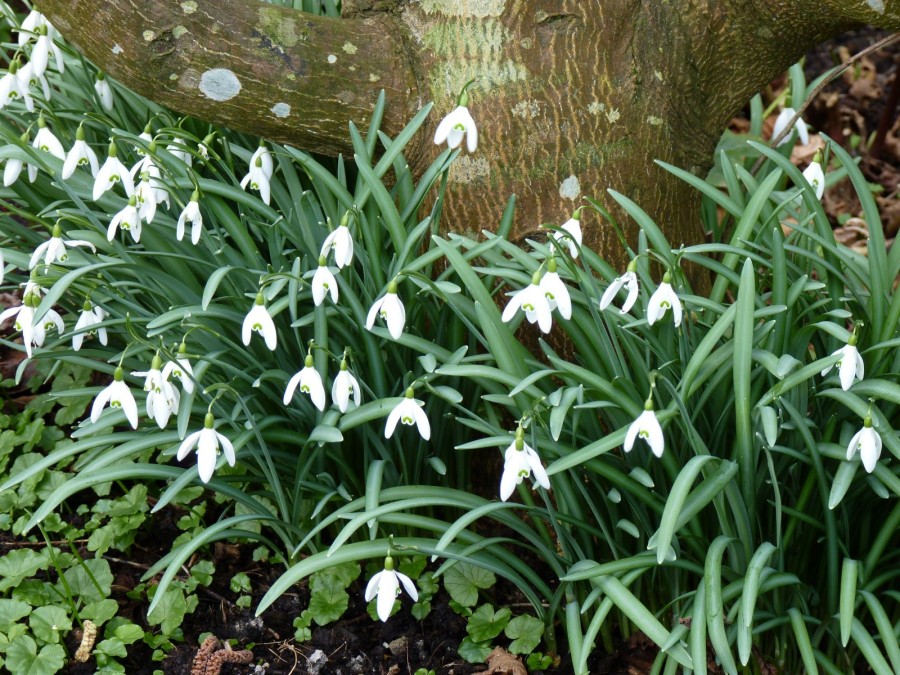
{"points": [[751, 529]]}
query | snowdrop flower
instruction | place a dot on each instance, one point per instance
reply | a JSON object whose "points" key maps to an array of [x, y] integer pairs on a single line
{"points": [[533, 301], [28, 79], [386, 585], [54, 249], [572, 227], [162, 396], [117, 395], [815, 176], [180, 150], [11, 88], [24, 315], [104, 91], [324, 283], [408, 411], [40, 53], [851, 366], [90, 316], [343, 387], [129, 218], [390, 308], [257, 179], [629, 281], [81, 154], [342, 242], [258, 320], [264, 155], [868, 443], [646, 426], [146, 164], [180, 368], [14, 165], [29, 26], [662, 299], [51, 319], [147, 136], [781, 123], [145, 194], [556, 292], [458, 124], [46, 141], [112, 172], [520, 461], [310, 382], [191, 213], [204, 145], [207, 441]]}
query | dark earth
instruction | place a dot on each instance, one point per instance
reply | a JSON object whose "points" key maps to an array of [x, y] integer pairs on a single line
{"points": [[851, 110]]}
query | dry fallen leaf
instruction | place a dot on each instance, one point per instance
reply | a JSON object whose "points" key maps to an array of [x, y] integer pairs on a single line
{"points": [[501, 662]]}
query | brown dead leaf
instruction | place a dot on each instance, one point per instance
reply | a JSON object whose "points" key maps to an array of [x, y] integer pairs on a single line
{"points": [[501, 662]]}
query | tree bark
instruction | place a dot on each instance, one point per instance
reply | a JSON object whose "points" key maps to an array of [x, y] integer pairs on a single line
{"points": [[572, 96]]}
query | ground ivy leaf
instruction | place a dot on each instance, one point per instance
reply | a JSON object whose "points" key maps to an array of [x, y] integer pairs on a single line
{"points": [[112, 647], [169, 612], [100, 612], [18, 565], [328, 603], [413, 566], [129, 633], [47, 622], [10, 612], [474, 652], [463, 580], [486, 624], [525, 632], [23, 658], [81, 583]]}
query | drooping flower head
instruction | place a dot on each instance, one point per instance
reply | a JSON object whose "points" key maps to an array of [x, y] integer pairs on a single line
{"points": [[533, 301], [390, 308], [112, 172], [569, 234], [781, 123], [344, 387], [555, 291], [867, 442], [162, 396], [310, 383], [54, 249], [104, 92], [324, 283], [129, 218], [815, 176], [663, 299], [87, 324], [341, 242], [258, 320], [12, 89], [409, 412], [851, 366], [646, 426], [180, 368], [257, 179], [208, 441], [191, 213], [117, 395], [386, 585], [520, 461], [81, 154], [629, 281], [458, 124]]}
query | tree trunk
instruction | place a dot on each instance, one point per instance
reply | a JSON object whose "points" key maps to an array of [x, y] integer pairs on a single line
{"points": [[572, 96]]}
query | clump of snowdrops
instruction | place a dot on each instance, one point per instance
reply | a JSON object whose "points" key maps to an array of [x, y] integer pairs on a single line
{"points": [[714, 468]]}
